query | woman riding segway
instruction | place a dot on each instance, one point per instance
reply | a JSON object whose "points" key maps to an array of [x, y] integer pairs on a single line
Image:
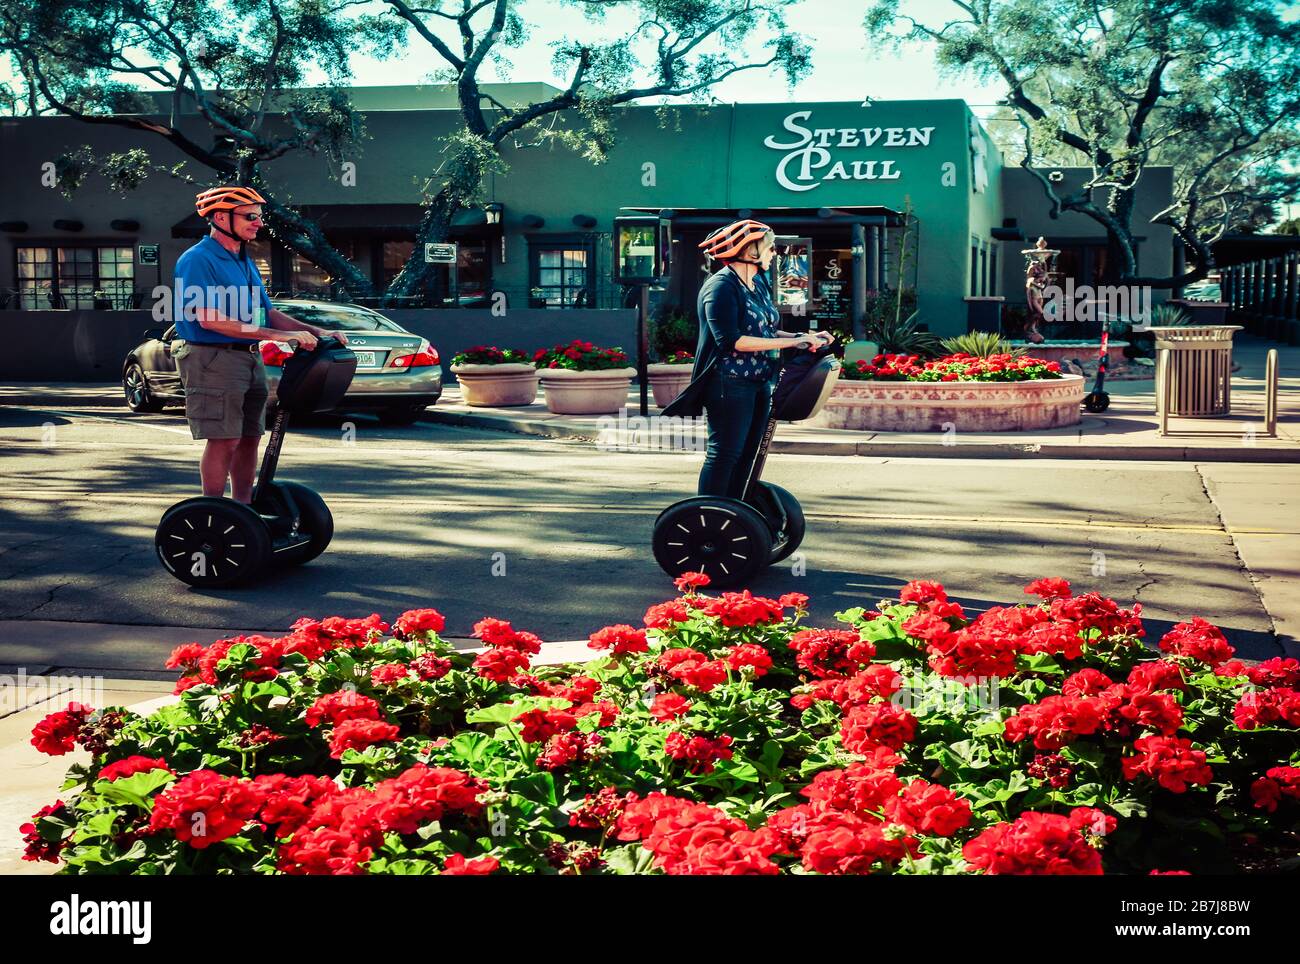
{"points": [[738, 524], [737, 359]]}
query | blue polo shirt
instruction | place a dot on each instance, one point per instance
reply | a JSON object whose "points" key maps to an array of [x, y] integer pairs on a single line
{"points": [[209, 276]]}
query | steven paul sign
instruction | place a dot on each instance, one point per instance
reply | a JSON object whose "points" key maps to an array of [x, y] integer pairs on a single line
{"points": [[808, 160]]}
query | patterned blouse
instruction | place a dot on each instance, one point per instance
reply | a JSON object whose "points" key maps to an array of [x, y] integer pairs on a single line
{"points": [[761, 320]]}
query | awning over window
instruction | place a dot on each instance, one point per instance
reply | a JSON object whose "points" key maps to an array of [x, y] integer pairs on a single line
{"points": [[392, 222]]}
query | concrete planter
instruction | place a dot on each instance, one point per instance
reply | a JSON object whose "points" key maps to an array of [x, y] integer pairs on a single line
{"points": [[497, 386], [1080, 358], [586, 393], [668, 381], [964, 406]]}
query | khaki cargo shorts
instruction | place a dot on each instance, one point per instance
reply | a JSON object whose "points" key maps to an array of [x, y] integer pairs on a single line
{"points": [[225, 390]]}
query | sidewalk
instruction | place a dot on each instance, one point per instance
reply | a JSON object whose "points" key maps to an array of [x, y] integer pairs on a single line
{"points": [[1128, 430]]}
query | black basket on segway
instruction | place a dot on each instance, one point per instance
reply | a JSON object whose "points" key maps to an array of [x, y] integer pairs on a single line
{"points": [[732, 540], [214, 542]]}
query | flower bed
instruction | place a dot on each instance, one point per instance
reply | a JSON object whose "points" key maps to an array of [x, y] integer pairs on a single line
{"points": [[491, 377], [1000, 393], [580, 356], [722, 736]]}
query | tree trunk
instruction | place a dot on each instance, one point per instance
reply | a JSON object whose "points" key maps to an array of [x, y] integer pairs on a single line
{"points": [[304, 236], [417, 276]]}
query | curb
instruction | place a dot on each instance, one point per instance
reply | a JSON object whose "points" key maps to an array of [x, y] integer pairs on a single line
{"points": [[63, 400], [908, 450]]}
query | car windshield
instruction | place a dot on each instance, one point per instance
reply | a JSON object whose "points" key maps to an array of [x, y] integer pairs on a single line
{"points": [[339, 317]]}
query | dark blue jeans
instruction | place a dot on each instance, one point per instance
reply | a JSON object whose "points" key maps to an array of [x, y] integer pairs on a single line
{"points": [[738, 411]]}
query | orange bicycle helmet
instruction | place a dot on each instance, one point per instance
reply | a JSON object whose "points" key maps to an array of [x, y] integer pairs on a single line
{"points": [[723, 244], [227, 197]]}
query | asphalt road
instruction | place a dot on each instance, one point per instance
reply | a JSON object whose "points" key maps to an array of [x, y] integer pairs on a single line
{"points": [[423, 514]]}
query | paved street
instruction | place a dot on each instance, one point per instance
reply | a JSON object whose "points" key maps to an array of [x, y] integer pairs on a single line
{"points": [[423, 513]]}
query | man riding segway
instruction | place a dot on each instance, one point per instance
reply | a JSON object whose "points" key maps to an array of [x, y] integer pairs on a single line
{"points": [[223, 312]]}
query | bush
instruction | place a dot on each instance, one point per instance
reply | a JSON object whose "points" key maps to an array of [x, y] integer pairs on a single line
{"points": [[580, 356], [674, 332], [490, 355], [722, 736], [980, 344], [952, 368]]}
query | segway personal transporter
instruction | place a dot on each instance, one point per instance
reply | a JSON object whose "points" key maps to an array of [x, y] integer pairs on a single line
{"points": [[732, 540], [215, 542]]}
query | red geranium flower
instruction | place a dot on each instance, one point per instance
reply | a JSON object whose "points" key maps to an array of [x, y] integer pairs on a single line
{"points": [[57, 733], [1050, 588], [688, 582], [1169, 760], [1200, 640], [621, 639], [500, 664], [877, 724], [132, 765], [669, 706], [663, 615], [386, 674], [415, 622], [456, 865], [1035, 843], [699, 752], [357, 734], [538, 726], [1278, 782], [204, 808], [334, 708]]}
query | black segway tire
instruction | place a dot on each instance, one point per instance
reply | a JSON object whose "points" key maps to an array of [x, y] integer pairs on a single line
{"points": [[727, 540], [795, 527], [314, 521], [211, 543]]}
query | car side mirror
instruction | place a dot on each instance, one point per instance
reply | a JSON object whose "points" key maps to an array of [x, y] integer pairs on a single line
{"points": [[152, 333]]}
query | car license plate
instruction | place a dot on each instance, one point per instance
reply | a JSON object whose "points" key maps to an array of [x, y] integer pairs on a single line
{"points": [[365, 359]]}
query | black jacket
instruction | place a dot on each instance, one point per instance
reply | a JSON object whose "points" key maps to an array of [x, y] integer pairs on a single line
{"points": [[720, 308]]}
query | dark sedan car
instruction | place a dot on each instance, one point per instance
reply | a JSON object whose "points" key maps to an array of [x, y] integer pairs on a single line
{"points": [[398, 372]]}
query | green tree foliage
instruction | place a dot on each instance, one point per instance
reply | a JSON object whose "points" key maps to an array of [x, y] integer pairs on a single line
{"points": [[1211, 89]]}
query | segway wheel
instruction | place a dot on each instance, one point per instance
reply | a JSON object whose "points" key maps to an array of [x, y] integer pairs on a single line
{"points": [[725, 539], [795, 526], [315, 523], [211, 543]]}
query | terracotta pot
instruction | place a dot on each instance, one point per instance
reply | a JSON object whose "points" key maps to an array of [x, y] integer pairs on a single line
{"points": [[497, 386], [884, 406], [586, 393], [668, 381]]}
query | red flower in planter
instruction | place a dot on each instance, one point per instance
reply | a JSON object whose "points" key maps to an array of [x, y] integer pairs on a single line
{"points": [[186, 657], [1155, 675], [859, 787], [566, 748], [688, 582], [430, 667], [456, 865], [500, 634], [204, 808], [700, 753], [928, 808], [289, 801], [877, 724], [500, 664], [422, 794], [1275, 672], [831, 652], [1035, 843], [844, 843], [1153, 711], [334, 708], [1169, 760], [1094, 824], [1267, 708], [327, 850], [415, 622], [538, 726], [357, 734], [663, 615], [38, 845], [132, 765], [737, 609], [57, 733], [749, 654], [1200, 640], [921, 591], [1058, 721], [1267, 792], [1050, 588], [1094, 611], [669, 706], [693, 668], [620, 639], [601, 809], [606, 708], [387, 674], [579, 689]]}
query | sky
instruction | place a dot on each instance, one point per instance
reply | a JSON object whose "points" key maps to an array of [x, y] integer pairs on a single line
{"points": [[841, 68]]}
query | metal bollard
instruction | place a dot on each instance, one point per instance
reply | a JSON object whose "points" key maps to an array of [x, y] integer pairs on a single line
{"points": [[1270, 393], [1162, 388]]}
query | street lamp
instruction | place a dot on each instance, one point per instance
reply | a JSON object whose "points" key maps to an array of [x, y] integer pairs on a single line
{"points": [[642, 257]]}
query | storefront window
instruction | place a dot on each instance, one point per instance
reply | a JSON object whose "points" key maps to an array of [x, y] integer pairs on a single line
{"points": [[561, 276], [76, 277], [307, 278], [396, 254]]}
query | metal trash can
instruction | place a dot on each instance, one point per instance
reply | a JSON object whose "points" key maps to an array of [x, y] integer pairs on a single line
{"points": [[1198, 369]]}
